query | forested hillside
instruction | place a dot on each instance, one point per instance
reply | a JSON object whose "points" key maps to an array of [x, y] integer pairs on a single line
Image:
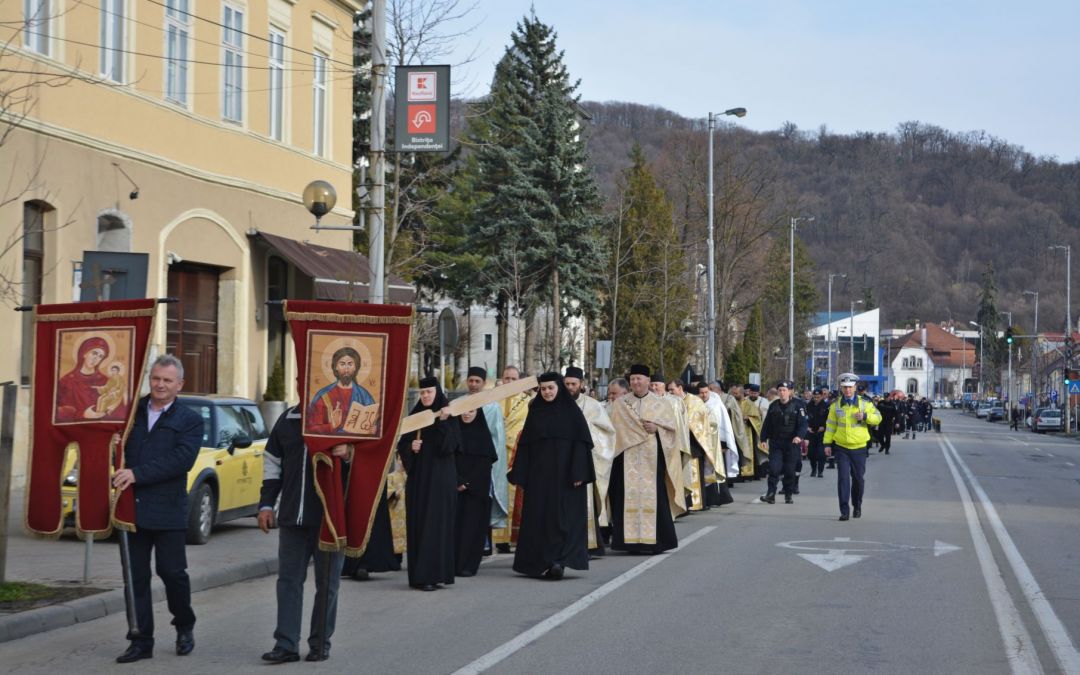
{"points": [[913, 217]]}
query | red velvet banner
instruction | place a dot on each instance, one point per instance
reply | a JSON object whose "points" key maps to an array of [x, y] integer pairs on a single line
{"points": [[89, 359], [353, 361]]}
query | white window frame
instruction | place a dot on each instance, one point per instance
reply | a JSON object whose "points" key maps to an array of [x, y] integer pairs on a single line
{"points": [[177, 73], [276, 83], [320, 105], [232, 63], [38, 29], [113, 37]]}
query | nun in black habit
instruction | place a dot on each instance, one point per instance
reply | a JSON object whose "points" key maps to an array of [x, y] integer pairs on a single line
{"points": [[553, 466], [428, 456], [474, 491]]}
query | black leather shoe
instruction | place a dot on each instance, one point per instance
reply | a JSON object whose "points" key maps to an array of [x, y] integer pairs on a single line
{"points": [[466, 573], [857, 513], [788, 499], [279, 655], [135, 653], [844, 517], [313, 655], [768, 498], [185, 642], [502, 548], [429, 587], [554, 572]]}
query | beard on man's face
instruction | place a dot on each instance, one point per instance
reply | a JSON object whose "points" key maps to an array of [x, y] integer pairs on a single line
{"points": [[344, 378]]}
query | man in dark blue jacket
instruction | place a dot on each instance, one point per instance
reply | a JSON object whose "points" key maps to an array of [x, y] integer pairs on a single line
{"points": [[288, 481], [163, 446], [784, 429]]}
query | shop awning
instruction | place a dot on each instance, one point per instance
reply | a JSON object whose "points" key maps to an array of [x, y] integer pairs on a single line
{"points": [[338, 274]]}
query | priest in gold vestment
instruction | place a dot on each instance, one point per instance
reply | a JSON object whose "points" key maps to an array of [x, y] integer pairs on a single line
{"points": [[515, 409], [646, 488]]}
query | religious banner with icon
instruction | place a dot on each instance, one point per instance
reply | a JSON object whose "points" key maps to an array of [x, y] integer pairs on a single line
{"points": [[353, 361], [88, 361]]}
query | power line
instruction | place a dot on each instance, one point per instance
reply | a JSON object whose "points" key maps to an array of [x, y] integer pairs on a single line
{"points": [[110, 83], [168, 58], [211, 43], [251, 35]]}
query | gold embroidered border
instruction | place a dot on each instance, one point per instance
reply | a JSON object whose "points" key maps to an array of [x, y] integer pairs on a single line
{"points": [[349, 318], [96, 316]]}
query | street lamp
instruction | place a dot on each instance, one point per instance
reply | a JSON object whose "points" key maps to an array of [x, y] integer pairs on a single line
{"points": [[1034, 349], [828, 329], [851, 336], [1068, 322], [791, 296], [982, 365], [710, 329]]}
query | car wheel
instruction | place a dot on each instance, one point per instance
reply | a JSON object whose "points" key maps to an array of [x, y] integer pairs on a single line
{"points": [[202, 511]]}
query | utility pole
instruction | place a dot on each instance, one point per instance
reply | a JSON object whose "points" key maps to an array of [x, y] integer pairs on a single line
{"points": [[377, 220], [791, 296], [829, 375]]}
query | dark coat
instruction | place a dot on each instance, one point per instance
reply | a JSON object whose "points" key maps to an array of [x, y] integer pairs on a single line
{"points": [[287, 473], [161, 459]]}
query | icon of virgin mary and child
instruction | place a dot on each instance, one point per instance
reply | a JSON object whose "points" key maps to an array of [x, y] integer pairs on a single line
{"points": [[87, 393]]}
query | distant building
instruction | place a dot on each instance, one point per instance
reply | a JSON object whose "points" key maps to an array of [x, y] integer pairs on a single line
{"points": [[853, 340], [932, 362]]}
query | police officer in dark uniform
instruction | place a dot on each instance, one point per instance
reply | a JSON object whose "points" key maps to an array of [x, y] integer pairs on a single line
{"points": [[784, 428], [887, 408], [816, 412]]}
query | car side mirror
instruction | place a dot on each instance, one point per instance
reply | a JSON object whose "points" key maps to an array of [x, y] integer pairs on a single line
{"points": [[241, 441]]}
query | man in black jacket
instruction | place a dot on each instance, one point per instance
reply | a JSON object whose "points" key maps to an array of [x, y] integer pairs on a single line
{"points": [[160, 451], [287, 473], [887, 408], [784, 429], [817, 411]]}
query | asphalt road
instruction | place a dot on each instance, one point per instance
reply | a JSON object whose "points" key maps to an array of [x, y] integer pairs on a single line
{"points": [[930, 580]]}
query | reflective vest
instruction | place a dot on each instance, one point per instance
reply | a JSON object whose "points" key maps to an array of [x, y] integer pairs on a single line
{"points": [[842, 429]]}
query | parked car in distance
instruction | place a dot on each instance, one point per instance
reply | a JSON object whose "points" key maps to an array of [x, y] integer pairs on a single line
{"points": [[983, 408], [995, 413], [1047, 419], [225, 482]]}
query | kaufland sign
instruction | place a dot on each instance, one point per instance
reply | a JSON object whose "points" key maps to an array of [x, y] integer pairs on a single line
{"points": [[422, 109]]}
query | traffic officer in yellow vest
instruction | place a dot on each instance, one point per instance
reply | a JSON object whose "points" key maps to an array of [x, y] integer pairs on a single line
{"points": [[847, 429]]}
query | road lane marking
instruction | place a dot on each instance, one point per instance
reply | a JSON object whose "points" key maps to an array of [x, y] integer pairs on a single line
{"points": [[1055, 632], [840, 552], [555, 620], [1019, 650]]}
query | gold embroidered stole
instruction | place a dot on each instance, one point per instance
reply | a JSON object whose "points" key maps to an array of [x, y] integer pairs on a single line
{"points": [[639, 450], [515, 409]]}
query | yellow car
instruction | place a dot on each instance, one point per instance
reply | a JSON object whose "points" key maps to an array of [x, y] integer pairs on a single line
{"points": [[224, 484]]}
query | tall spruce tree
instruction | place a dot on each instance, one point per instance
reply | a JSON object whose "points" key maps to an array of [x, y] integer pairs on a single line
{"points": [[648, 297], [542, 210], [988, 318]]}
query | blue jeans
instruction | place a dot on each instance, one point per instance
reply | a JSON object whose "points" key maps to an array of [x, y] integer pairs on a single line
{"points": [[296, 547], [850, 472]]}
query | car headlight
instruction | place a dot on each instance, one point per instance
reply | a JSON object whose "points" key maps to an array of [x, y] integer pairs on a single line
{"points": [[72, 479]]}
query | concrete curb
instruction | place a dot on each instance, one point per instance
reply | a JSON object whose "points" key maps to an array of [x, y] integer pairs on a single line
{"points": [[43, 619]]}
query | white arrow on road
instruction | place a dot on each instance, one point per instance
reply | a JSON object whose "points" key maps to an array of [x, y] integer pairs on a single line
{"points": [[840, 552], [833, 560], [941, 548]]}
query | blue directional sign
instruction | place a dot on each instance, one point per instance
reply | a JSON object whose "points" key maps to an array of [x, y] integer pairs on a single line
{"points": [[1074, 388]]}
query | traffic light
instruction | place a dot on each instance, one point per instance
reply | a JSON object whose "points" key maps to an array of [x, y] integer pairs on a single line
{"points": [[1009, 335]]}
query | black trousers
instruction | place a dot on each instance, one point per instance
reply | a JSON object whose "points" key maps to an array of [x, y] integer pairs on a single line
{"points": [[816, 452], [171, 559], [885, 434], [784, 457]]}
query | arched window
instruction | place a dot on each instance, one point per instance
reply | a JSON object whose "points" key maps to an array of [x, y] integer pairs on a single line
{"points": [[113, 231], [919, 363], [912, 386]]}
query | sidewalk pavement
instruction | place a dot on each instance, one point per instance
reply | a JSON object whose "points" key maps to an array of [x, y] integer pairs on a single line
{"points": [[236, 551]]}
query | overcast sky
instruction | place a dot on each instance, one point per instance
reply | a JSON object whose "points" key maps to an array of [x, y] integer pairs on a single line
{"points": [[1011, 69]]}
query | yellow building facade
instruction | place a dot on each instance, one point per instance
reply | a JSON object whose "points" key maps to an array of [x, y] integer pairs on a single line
{"points": [[184, 130]]}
